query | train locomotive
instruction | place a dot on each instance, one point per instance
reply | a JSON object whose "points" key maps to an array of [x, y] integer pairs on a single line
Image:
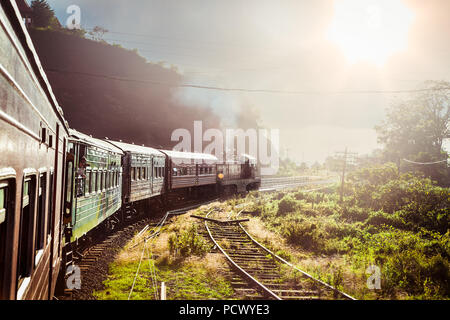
{"points": [[58, 185]]}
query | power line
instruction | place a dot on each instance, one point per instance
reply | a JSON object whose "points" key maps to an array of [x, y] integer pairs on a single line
{"points": [[424, 163], [216, 88]]}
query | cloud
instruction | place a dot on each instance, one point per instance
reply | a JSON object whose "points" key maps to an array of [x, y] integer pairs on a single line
{"points": [[264, 44]]}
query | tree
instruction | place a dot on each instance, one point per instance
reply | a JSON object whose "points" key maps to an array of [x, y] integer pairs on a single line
{"points": [[43, 16], [415, 129], [97, 33], [303, 167]]}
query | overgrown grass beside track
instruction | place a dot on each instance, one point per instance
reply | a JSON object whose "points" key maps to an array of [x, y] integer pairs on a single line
{"points": [[396, 223], [179, 256]]}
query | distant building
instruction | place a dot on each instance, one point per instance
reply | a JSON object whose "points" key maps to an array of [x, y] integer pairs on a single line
{"points": [[25, 11]]}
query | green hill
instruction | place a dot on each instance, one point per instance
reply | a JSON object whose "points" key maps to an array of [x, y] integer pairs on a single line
{"points": [[133, 111]]}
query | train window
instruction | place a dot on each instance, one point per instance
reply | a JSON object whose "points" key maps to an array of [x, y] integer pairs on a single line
{"points": [[88, 182], [133, 174], [4, 206], [50, 207], [41, 214], [93, 183], [97, 181], [144, 174], [69, 182], [108, 180], [26, 235], [103, 180], [44, 135], [117, 178], [3, 202], [162, 172], [175, 171], [80, 182]]}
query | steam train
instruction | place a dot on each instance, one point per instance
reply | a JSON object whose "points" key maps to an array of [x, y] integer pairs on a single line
{"points": [[57, 185]]}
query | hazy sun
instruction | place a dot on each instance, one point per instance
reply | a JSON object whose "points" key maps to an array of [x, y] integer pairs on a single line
{"points": [[370, 30]]}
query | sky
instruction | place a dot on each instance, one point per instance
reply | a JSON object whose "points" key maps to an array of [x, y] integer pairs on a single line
{"points": [[326, 51]]}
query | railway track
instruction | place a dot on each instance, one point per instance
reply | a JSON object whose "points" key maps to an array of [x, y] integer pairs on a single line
{"points": [[263, 270], [93, 260], [275, 184]]}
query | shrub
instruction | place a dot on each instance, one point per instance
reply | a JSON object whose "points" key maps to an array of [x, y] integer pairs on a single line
{"points": [[380, 218], [305, 235], [354, 214], [286, 205], [188, 242]]}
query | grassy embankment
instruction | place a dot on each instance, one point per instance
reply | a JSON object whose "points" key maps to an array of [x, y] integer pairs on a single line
{"points": [[179, 256], [396, 223]]}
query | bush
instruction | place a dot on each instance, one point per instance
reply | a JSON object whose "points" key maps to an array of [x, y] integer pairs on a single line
{"points": [[414, 262], [305, 235], [299, 195], [380, 218], [354, 214], [188, 243], [286, 205]]}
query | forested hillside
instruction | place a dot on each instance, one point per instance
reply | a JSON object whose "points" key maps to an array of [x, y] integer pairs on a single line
{"points": [[83, 75]]}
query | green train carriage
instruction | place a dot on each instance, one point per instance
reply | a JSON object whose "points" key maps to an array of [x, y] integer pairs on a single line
{"points": [[94, 184]]}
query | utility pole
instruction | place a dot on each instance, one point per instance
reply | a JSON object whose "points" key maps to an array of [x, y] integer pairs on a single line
{"points": [[345, 155], [343, 174]]}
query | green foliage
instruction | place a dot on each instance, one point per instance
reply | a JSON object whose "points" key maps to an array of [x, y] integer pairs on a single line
{"points": [[286, 205], [417, 263], [412, 201], [306, 235], [416, 128], [188, 243], [184, 283], [380, 218], [396, 222], [42, 15]]}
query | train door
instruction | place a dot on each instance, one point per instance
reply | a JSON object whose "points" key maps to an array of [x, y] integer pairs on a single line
{"points": [[68, 189]]}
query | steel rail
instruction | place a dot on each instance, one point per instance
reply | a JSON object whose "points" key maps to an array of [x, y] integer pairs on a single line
{"points": [[294, 267], [269, 292]]}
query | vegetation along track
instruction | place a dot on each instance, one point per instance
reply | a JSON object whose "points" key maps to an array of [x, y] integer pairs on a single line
{"points": [[270, 275], [94, 259]]}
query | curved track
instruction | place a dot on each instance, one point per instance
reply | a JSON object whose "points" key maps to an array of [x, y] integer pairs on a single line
{"points": [[264, 270]]}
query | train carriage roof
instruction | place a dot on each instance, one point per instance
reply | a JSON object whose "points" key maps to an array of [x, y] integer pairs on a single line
{"points": [[181, 157], [244, 157], [94, 141], [127, 147], [15, 18]]}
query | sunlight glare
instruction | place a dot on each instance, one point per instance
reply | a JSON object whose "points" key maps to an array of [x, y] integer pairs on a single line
{"points": [[370, 30]]}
